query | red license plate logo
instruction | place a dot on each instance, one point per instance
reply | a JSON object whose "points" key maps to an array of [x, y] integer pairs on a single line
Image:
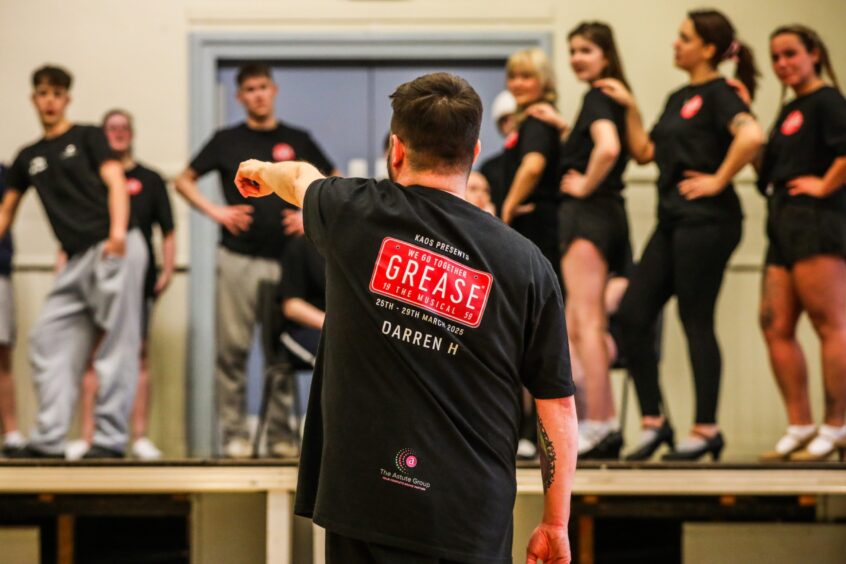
{"points": [[431, 281]]}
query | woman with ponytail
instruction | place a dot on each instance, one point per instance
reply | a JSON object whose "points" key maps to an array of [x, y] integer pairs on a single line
{"points": [[802, 173], [704, 136]]}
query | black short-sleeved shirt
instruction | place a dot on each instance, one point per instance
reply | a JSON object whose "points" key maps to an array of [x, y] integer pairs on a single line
{"points": [[150, 206], [65, 171], [437, 314], [303, 274], [493, 169], [535, 136], [227, 149], [809, 134], [6, 248], [575, 152], [693, 134]]}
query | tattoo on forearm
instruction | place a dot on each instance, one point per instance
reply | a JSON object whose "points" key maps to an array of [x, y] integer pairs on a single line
{"points": [[547, 457]]}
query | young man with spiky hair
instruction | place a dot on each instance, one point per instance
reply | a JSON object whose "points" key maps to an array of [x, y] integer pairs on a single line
{"points": [[436, 315], [97, 295], [252, 239]]}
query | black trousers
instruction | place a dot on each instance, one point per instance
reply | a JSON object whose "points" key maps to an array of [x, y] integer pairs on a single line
{"points": [[687, 261], [344, 550]]}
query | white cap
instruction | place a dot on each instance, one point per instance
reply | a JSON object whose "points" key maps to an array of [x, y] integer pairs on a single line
{"points": [[503, 105]]}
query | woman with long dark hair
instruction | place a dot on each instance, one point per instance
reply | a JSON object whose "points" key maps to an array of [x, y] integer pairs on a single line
{"points": [[803, 174], [593, 230], [704, 136]]}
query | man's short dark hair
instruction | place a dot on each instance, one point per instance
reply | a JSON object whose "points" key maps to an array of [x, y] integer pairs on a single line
{"points": [[52, 76], [253, 70], [438, 117]]}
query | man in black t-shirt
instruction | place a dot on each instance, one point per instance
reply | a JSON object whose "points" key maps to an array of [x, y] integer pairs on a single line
{"points": [[252, 238], [436, 315], [97, 295]]}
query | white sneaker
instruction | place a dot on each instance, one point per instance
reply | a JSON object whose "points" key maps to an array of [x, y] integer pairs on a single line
{"points": [[144, 449], [13, 439], [526, 449], [238, 448], [284, 449], [592, 432], [75, 450]]}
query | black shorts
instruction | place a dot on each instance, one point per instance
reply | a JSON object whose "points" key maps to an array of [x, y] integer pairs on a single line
{"points": [[345, 550], [804, 229], [601, 220]]}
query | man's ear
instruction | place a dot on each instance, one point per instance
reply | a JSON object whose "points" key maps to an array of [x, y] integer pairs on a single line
{"points": [[397, 155], [477, 150]]}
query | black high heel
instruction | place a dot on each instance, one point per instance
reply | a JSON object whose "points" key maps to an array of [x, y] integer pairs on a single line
{"points": [[608, 448], [712, 445], [664, 434]]}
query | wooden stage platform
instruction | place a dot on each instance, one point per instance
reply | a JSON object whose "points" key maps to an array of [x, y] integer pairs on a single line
{"points": [[276, 480]]}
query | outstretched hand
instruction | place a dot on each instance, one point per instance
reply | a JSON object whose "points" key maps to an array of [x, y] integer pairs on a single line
{"points": [[251, 181], [549, 544]]}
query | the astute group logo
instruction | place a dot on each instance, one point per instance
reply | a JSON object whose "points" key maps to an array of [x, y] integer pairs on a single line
{"points": [[405, 460], [406, 463]]}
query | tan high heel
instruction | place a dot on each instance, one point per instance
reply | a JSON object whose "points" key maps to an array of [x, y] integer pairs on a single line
{"points": [[827, 442]]}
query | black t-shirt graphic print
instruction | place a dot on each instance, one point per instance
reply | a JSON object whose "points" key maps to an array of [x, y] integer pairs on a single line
{"points": [[226, 150], [65, 171], [436, 315], [809, 134], [693, 134]]}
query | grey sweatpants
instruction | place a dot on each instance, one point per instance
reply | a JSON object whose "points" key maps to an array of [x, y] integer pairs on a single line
{"points": [[239, 278], [93, 294]]}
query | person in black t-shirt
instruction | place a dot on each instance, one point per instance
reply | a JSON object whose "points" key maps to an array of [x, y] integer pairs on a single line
{"points": [[531, 155], [530, 165], [302, 295], [97, 295], [253, 235], [503, 113], [436, 315], [12, 438], [803, 175], [149, 204], [592, 226], [704, 136]]}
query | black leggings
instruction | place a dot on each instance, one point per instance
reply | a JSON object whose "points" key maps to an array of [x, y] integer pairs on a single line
{"points": [[687, 261]]}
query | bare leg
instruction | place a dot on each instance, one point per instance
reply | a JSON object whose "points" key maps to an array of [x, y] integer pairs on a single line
{"points": [[140, 410], [780, 310], [86, 406], [821, 285], [8, 414], [585, 274]]}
